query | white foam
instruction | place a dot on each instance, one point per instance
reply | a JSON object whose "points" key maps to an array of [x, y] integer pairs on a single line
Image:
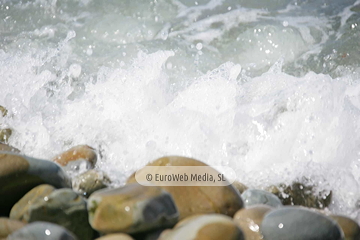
{"points": [[271, 128]]}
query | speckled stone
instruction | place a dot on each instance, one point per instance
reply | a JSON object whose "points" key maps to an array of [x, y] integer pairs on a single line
{"points": [[204, 227], [19, 174], [131, 208], [63, 207], [116, 236], [256, 196], [8, 226], [8, 148], [42, 231], [349, 227], [192, 200], [298, 223], [76, 153], [90, 181], [249, 220]]}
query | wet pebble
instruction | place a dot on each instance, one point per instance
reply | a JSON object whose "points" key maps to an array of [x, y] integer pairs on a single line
{"points": [[298, 223], [8, 226], [90, 181], [249, 220], [349, 227], [42, 231], [206, 226], [116, 236], [239, 186], [81, 152], [20, 210], [63, 207], [257, 196], [132, 208], [19, 174], [66, 208], [192, 200]]}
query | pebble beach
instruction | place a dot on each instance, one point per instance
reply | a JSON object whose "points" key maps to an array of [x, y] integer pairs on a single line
{"points": [[39, 200], [108, 108]]}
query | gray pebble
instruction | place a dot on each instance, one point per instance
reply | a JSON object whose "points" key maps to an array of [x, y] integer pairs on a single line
{"points": [[256, 196], [42, 231], [298, 223]]}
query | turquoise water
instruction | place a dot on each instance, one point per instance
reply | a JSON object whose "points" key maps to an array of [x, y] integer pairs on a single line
{"points": [[269, 88]]}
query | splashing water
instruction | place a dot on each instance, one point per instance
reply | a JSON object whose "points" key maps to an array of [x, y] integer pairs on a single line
{"points": [[269, 88]]}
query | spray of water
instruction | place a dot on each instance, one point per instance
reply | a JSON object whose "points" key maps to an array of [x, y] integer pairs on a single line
{"points": [[269, 89]]}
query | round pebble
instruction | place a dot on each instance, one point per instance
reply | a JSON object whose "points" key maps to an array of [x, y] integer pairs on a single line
{"points": [[349, 227], [42, 231], [19, 174], [298, 223], [191, 200], [130, 209], [63, 207], [256, 196], [20, 210], [249, 220], [239, 186], [76, 153], [116, 236], [8, 226], [205, 226], [89, 182]]}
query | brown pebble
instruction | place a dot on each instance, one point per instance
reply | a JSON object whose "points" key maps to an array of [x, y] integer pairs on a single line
{"points": [[19, 174], [115, 236], [350, 228], [204, 227], [20, 210], [77, 153], [191, 200], [239, 186], [130, 209], [8, 226], [249, 220]]}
